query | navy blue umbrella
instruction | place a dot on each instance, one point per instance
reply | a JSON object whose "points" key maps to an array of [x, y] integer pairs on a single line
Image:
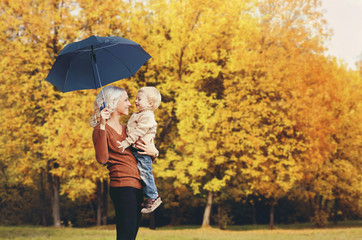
{"points": [[96, 61]]}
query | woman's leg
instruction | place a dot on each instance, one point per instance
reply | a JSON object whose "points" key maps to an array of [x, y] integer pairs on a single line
{"points": [[139, 195], [127, 204]]}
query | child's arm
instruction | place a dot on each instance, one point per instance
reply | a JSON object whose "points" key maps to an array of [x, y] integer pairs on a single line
{"points": [[145, 122]]}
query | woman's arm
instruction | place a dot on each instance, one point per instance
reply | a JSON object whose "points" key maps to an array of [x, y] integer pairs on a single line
{"points": [[100, 145], [100, 138], [148, 148]]}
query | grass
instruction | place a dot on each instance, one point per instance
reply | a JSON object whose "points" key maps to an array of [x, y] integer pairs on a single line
{"points": [[344, 231]]}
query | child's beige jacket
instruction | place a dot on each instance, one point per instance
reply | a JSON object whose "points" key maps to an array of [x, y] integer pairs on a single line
{"points": [[140, 125]]}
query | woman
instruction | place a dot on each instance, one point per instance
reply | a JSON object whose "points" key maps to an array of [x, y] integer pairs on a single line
{"points": [[125, 182]]}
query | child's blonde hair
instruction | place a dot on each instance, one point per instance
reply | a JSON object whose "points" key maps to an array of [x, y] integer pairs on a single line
{"points": [[153, 96]]}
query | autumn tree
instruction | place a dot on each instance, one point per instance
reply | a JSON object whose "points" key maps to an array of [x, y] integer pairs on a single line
{"points": [[34, 49], [251, 106], [333, 137], [264, 133], [49, 134], [192, 54]]}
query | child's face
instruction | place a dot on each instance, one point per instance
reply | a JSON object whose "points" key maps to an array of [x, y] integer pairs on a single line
{"points": [[142, 102]]}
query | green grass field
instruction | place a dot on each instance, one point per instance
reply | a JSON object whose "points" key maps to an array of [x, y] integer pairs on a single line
{"points": [[259, 232]]}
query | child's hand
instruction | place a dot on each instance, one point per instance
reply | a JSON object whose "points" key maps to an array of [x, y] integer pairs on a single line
{"points": [[120, 146]]}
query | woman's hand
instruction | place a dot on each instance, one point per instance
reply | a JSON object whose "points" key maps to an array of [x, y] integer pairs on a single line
{"points": [[148, 148], [105, 115]]}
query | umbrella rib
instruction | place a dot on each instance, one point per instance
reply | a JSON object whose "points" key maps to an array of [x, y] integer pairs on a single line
{"points": [[111, 45], [102, 47], [119, 60], [66, 75]]}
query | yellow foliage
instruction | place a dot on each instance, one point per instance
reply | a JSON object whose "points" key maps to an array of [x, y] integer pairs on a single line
{"points": [[251, 106]]}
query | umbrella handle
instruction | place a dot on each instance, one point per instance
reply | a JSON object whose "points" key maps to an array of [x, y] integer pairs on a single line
{"points": [[103, 106]]}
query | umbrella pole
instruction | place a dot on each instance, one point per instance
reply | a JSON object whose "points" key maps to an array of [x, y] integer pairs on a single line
{"points": [[99, 78]]}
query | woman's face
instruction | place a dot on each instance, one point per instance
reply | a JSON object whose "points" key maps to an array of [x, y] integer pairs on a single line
{"points": [[123, 104]]}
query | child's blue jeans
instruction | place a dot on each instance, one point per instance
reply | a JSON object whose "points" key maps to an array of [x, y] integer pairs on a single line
{"points": [[144, 164]]}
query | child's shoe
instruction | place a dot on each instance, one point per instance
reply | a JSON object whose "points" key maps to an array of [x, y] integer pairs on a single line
{"points": [[150, 205]]}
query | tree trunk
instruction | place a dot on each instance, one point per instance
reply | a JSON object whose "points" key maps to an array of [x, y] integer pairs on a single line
{"points": [[99, 203], [271, 222], [105, 202], [152, 221], [253, 208], [336, 205], [222, 222], [173, 216], [42, 198], [54, 184], [207, 213], [163, 132]]}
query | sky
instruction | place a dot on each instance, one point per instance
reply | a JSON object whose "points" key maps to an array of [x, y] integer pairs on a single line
{"points": [[345, 18]]}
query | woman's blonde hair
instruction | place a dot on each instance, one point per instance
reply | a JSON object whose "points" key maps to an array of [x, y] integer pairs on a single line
{"points": [[153, 96], [112, 95]]}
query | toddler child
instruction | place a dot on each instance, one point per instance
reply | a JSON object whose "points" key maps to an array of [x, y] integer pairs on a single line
{"points": [[142, 124]]}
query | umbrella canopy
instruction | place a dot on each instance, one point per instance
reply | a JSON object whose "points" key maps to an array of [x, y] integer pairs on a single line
{"points": [[96, 61]]}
